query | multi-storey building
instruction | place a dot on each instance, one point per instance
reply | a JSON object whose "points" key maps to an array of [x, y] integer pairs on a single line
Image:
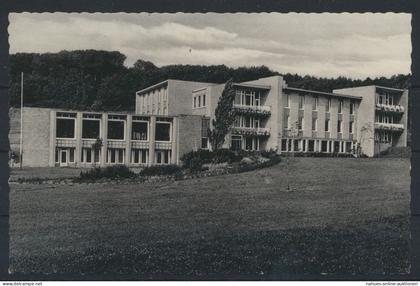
{"points": [[173, 117], [383, 117], [167, 98], [272, 115]]}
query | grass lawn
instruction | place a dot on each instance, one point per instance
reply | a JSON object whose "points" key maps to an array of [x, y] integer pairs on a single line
{"points": [[341, 217]]}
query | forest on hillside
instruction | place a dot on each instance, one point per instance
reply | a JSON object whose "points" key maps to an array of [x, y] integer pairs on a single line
{"points": [[99, 80]]}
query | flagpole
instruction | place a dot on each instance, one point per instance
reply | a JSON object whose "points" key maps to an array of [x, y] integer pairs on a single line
{"points": [[21, 120]]}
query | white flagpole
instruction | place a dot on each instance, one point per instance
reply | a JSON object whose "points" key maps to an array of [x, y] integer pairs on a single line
{"points": [[21, 120]]}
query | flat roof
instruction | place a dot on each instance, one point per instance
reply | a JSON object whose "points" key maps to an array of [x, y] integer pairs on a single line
{"points": [[322, 93], [162, 83], [165, 82], [109, 112], [250, 85], [390, 88]]}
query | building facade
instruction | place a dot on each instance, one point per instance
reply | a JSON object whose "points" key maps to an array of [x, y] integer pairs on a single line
{"points": [[53, 137], [173, 117], [383, 117], [272, 115]]}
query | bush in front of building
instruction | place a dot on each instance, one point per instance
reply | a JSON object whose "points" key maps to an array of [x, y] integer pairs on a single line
{"points": [[262, 153], [272, 160], [161, 170], [111, 172], [320, 154], [226, 156], [194, 160]]}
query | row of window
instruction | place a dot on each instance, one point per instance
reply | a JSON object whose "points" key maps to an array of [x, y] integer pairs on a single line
{"points": [[315, 104], [385, 98], [199, 100], [247, 97], [383, 137], [248, 143], [325, 146], [300, 124], [385, 118], [91, 129], [65, 156], [155, 102], [246, 121]]}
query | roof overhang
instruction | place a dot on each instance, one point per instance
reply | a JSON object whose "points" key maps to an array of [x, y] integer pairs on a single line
{"points": [[254, 86], [331, 94], [390, 88], [155, 86]]}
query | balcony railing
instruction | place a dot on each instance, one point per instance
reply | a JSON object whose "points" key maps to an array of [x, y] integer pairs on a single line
{"points": [[390, 108], [253, 109], [65, 142], [389, 126], [251, 131]]}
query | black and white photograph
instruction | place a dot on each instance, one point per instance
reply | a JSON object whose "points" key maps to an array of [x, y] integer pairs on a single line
{"points": [[210, 146]]}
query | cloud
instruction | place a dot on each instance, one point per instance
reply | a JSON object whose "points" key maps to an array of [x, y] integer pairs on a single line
{"points": [[355, 45]]}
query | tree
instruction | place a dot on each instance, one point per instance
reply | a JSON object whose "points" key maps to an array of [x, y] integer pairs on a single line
{"points": [[366, 133], [97, 147], [224, 117], [99, 80]]}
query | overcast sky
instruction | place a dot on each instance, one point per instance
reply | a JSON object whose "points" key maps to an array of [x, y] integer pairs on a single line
{"points": [[352, 45]]}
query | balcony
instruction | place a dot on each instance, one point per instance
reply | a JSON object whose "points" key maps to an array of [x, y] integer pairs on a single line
{"points": [[251, 131], [389, 126], [390, 108], [262, 110]]}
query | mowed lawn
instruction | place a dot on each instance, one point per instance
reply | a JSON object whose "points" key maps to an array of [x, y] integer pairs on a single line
{"points": [[339, 217]]}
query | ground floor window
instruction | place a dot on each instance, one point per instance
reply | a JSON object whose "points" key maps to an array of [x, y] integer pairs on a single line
{"points": [[348, 147], [204, 143], [63, 156], [139, 156], [115, 156], [336, 147], [383, 137], [252, 143], [311, 145], [296, 145], [163, 156], [86, 155], [236, 142], [284, 145], [90, 155], [248, 143], [324, 146]]}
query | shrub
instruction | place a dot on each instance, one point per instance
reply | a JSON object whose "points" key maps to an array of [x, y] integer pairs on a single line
{"points": [[269, 154], [195, 165], [196, 159], [161, 170], [274, 159], [320, 154], [205, 156], [111, 172], [226, 155]]}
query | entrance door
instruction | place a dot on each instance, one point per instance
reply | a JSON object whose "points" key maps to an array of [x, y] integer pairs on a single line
{"points": [[236, 142], [64, 157]]}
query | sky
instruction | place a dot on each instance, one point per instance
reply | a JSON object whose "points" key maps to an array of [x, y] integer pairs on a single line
{"points": [[324, 45]]}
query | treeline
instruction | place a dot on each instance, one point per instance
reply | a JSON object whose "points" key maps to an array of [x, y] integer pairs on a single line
{"points": [[99, 80]]}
